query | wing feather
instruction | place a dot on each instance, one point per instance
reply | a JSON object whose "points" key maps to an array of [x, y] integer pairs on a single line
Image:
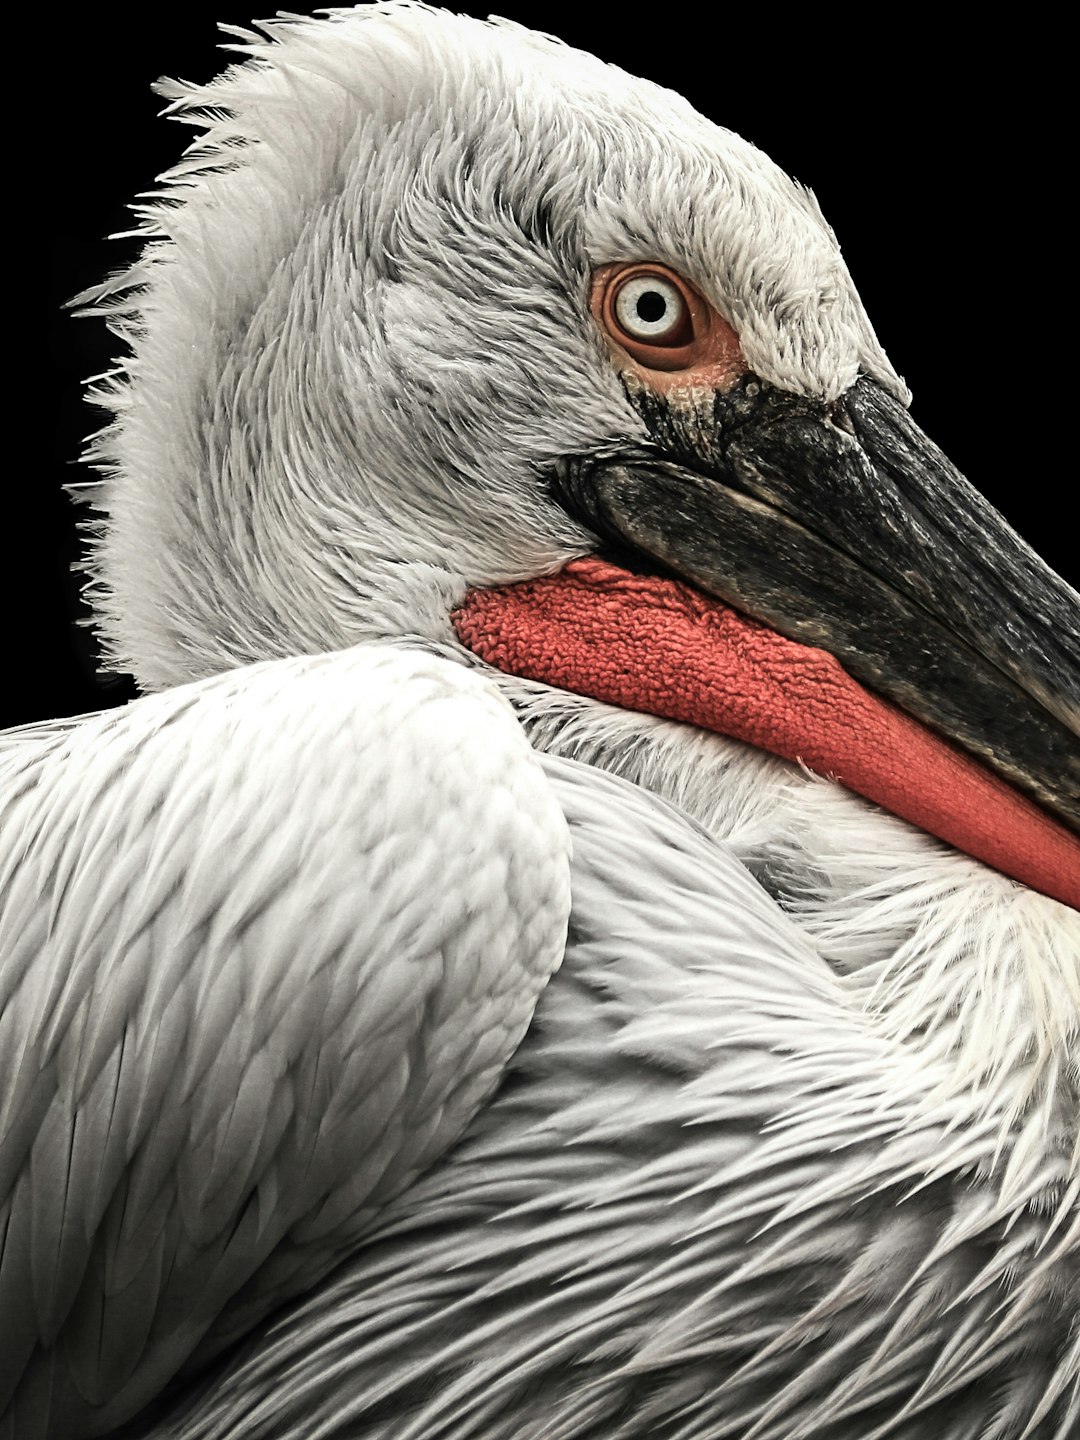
{"points": [[269, 941], [666, 1225]]}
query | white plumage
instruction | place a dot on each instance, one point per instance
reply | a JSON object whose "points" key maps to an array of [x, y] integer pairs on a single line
{"points": [[204, 1000], [776, 1160]]}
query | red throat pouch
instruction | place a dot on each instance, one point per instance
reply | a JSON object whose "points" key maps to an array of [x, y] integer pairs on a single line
{"points": [[650, 644]]}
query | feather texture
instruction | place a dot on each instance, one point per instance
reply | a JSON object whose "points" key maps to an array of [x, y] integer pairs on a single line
{"points": [[275, 937], [789, 1146], [715, 1197]]}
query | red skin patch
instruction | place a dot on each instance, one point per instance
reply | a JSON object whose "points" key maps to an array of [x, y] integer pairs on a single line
{"points": [[655, 645]]}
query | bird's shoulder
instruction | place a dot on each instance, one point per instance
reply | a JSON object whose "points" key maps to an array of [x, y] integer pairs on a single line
{"points": [[268, 942]]}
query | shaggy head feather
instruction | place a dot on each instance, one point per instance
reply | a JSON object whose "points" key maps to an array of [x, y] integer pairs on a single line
{"points": [[362, 314]]}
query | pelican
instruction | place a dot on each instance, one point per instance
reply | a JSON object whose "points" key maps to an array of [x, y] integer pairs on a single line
{"points": [[578, 939]]}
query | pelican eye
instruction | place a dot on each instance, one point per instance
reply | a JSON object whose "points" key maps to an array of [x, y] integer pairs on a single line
{"points": [[655, 316], [652, 308]]}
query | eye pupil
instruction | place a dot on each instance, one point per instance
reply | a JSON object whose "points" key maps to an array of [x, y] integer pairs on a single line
{"points": [[650, 309], [651, 306]]}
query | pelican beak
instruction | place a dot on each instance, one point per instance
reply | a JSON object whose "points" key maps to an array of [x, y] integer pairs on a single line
{"points": [[845, 528]]}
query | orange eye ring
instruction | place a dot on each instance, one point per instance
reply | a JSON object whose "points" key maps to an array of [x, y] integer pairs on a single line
{"points": [[672, 319], [686, 342]]}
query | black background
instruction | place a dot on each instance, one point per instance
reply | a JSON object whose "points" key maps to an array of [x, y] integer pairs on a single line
{"points": [[935, 157]]}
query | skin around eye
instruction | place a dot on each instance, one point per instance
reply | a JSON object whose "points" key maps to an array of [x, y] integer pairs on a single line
{"points": [[661, 328]]}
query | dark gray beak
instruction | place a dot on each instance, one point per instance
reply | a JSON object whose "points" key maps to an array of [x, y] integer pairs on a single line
{"points": [[842, 526]]}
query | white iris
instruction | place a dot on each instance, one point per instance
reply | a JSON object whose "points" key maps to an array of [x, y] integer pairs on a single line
{"points": [[649, 307]]}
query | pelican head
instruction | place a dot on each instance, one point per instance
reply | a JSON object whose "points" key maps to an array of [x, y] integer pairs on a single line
{"points": [[381, 355], [368, 321]]}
